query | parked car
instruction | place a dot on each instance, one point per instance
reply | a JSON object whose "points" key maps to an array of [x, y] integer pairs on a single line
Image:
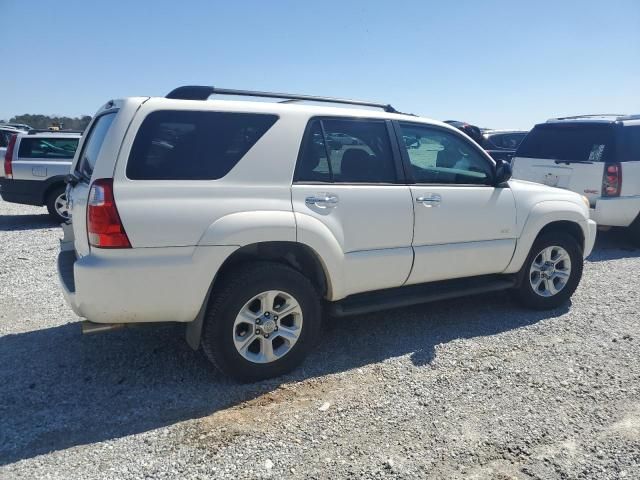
{"points": [[502, 144], [5, 136], [240, 220], [35, 166], [19, 126], [471, 130], [594, 155]]}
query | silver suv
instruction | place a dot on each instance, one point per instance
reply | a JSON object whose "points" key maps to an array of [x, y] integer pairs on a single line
{"points": [[35, 166]]}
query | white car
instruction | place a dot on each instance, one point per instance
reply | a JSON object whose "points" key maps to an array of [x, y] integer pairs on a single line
{"points": [[595, 155], [238, 219]]}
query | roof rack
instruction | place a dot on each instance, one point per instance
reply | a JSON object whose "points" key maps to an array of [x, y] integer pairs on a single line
{"points": [[200, 92], [575, 117], [34, 131]]}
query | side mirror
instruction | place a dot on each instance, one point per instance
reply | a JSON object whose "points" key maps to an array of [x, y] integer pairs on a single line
{"points": [[503, 172]]}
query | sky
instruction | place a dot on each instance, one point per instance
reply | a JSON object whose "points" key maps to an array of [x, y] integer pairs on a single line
{"points": [[498, 64]]}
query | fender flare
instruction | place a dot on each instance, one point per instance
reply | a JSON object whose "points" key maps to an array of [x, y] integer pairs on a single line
{"points": [[541, 215]]}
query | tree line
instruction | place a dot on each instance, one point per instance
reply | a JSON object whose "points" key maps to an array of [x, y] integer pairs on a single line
{"points": [[46, 121]]}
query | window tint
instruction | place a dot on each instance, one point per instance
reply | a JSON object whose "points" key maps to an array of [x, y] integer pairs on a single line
{"points": [[184, 145], [359, 151], [50, 148], [93, 143], [441, 157], [630, 148], [572, 142]]}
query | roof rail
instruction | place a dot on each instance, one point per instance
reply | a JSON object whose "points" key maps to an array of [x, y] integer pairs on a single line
{"points": [[35, 131], [575, 117], [200, 92]]}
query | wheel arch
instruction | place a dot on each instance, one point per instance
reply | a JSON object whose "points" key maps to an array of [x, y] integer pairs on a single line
{"points": [[545, 217], [293, 254]]}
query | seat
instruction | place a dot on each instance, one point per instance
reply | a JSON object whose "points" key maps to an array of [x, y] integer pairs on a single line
{"points": [[358, 166]]}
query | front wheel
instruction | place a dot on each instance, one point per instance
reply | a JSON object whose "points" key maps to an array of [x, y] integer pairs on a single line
{"points": [[552, 272], [262, 322]]}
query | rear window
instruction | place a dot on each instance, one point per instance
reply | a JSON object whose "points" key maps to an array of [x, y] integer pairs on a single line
{"points": [[188, 145], [569, 142], [93, 143], [50, 148]]}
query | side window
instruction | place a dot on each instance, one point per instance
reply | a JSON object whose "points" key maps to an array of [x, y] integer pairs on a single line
{"points": [[193, 145], [347, 151], [441, 157], [93, 143], [4, 139], [49, 148], [630, 144]]}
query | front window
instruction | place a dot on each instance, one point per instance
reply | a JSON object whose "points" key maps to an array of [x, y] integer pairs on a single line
{"points": [[441, 157]]}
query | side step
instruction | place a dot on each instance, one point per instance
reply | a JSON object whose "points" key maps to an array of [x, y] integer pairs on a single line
{"points": [[415, 294]]}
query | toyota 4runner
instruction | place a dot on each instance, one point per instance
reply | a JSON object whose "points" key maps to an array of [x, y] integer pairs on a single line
{"points": [[244, 221]]}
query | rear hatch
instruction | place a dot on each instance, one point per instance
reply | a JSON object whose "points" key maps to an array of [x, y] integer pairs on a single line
{"points": [[96, 158], [569, 155]]}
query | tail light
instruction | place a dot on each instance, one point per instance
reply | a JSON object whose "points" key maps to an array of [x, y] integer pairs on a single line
{"points": [[104, 226], [612, 180], [8, 166]]}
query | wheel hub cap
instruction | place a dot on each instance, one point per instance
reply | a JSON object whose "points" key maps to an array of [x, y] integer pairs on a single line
{"points": [[268, 326], [550, 271]]}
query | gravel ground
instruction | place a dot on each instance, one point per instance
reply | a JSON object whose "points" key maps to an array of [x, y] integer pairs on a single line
{"points": [[476, 388]]}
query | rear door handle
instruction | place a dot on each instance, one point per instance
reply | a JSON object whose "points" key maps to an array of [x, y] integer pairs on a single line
{"points": [[322, 200], [433, 200]]}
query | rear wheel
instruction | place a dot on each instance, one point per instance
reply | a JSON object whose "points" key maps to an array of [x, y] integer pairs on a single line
{"points": [[57, 204], [262, 322], [552, 271]]}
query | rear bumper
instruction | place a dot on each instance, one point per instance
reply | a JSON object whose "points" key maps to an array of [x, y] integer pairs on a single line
{"points": [[27, 192], [616, 212], [139, 285]]}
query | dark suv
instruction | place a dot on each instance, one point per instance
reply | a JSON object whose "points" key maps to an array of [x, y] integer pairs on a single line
{"points": [[502, 144]]}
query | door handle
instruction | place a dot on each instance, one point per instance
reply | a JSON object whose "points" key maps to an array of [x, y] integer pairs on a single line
{"points": [[430, 200], [323, 200]]}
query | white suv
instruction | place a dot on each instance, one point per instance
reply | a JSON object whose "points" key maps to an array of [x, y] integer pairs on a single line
{"points": [[594, 155], [241, 220]]}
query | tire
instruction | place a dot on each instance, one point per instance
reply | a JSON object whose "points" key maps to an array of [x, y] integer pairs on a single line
{"points": [[553, 289], [250, 290], [56, 210]]}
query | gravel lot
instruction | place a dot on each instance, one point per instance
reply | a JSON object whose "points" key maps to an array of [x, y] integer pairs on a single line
{"points": [[476, 388]]}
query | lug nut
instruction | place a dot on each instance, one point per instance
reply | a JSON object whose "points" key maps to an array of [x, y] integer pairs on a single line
{"points": [[276, 329], [275, 317], [257, 331], [266, 335], [266, 314], [258, 321]]}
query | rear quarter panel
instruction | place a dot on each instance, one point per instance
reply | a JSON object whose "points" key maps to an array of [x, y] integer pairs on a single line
{"points": [[170, 213]]}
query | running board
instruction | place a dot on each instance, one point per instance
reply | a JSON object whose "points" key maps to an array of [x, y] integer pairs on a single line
{"points": [[415, 294]]}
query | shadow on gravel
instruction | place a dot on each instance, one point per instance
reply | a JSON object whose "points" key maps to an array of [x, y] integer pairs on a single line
{"points": [[612, 245], [26, 222], [60, 389]]}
